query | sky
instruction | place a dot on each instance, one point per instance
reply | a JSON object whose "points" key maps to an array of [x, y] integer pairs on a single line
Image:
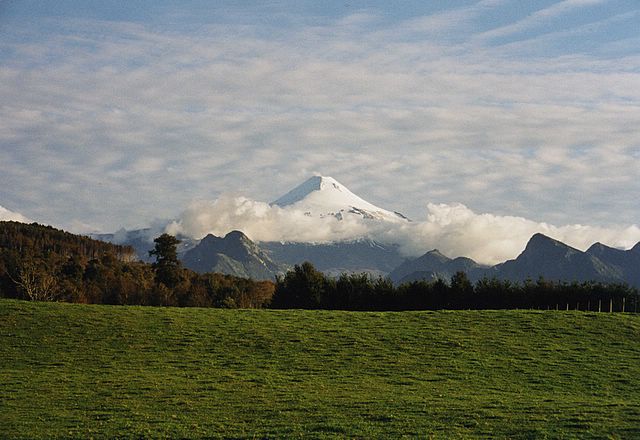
{"points": [[120, 114]]}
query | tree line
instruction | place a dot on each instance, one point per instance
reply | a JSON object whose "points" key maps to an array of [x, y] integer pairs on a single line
{"points": [[42, 263], [307, 288]]}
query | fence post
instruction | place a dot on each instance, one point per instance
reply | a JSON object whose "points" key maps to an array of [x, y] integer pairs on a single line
{"points": [[610, 305], [599, 305], [624, 301], [567, 306]]}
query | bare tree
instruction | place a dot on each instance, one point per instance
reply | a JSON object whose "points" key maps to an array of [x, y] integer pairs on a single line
{"points": [[35, 283]]}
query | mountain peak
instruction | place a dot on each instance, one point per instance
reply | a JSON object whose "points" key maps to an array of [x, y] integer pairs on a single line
{"points": [[539, 236], [433, 257], [237, 235], [542, 246], [235, 254], [323, 182], [596, 247], [325, 196], [309, 187], [210, 238], [599, 250], [539, 240], [436, 253]]}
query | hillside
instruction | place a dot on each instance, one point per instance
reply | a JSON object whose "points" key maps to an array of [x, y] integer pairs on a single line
{"points": [[42, 241], [43, 263], [100, 371], [355, 256], [434, 265], [556, 261]]}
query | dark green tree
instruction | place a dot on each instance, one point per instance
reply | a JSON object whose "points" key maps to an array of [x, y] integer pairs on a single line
{"points": [[167, 266], [303, 287], [461, 291]]}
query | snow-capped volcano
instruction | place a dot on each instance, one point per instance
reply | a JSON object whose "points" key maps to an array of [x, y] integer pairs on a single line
{"points": [[325, 196]]}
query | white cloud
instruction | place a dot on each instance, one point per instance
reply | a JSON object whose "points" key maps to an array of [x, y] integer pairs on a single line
{"points": [[114, 124], [454, 229], [262, 222]]}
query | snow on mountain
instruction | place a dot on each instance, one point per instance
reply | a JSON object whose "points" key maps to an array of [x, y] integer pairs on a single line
{"points": [[325, 196], [6, 215]]}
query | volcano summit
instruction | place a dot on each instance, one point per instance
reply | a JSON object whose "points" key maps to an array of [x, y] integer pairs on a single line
{"points": [[325, 196]]}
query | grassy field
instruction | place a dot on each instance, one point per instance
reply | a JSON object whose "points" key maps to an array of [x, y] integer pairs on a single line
{"points": [[76, 371]]}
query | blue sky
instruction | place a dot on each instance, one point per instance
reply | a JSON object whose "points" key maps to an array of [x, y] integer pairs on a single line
{"points": [[118, 113]]}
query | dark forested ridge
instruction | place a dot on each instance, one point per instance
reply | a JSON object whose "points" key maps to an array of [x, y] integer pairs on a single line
{"points": [[38, 240], [43, 263]]}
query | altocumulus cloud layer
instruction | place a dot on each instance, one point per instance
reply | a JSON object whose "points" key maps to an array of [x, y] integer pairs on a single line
{"points": [[454, 229], [524, 109]]}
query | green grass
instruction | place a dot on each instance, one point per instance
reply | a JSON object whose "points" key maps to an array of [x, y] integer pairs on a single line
{"points": [[77, 371]]}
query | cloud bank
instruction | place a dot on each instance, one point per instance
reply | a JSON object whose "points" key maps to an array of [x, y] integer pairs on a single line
{"points": [[454, 229]]}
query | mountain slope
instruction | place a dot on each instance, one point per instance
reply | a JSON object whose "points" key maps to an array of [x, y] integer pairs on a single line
{"points": [[554, 260], [433, 265], [357, 256], [318, 196], [324, 196], [542, 257], [432, 262], [235, 254], [627, 262]]}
